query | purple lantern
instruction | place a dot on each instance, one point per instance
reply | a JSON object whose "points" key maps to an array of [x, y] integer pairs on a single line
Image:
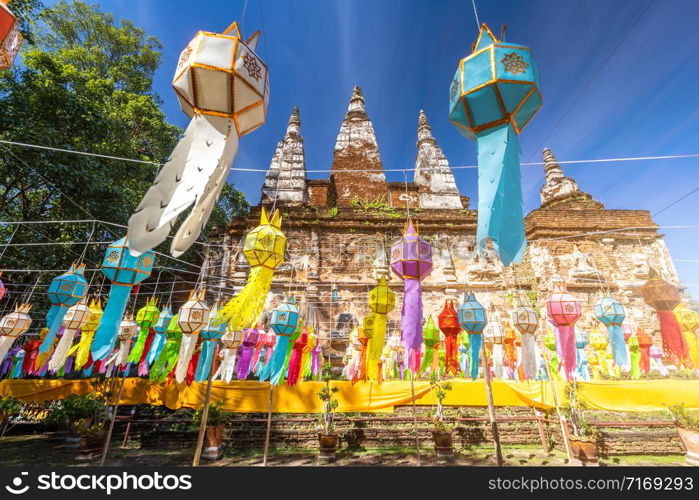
{"points": [[411, 260]]}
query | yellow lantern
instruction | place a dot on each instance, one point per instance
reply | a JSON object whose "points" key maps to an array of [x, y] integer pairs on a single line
{"points": [[689, 322]]}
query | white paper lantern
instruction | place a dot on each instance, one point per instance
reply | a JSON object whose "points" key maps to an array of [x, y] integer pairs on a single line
{"points": [[195, 313], [17, 322]]}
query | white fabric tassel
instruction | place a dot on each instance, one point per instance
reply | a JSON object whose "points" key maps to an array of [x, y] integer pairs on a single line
{"points": [[528, 362], [227, 368], [189, 342], [5, 343], [60, 354]]}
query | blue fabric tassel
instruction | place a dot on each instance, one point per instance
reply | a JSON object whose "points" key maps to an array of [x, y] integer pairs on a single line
{"points": [[54, 325], [17, 370], [475, 341], [275, 368], [155, 348], [618, 345], [206, 357], [500, 213], [107, 331]]}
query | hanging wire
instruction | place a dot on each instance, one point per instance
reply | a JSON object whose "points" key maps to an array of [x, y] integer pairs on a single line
{"points": [[475, 14]]}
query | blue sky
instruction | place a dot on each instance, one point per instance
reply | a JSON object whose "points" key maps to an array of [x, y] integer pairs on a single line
{"points": [[643, 101]]}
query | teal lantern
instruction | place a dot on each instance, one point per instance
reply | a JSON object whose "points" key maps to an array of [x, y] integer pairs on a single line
{"points": [[210, 336], [285, 318], [473, 319], [160, 328], [64, 291], [124, 271], [492, 97]]}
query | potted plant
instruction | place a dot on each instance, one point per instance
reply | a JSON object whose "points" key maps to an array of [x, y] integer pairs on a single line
{"points": [[583, 440], [441, 434], [215, 424], [82, 414], [9, 408], [327, 437], [688, 429]]}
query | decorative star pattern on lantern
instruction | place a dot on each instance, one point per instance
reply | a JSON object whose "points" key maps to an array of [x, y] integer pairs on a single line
{"points": [[193, 317], [493, 95], [12, 325], [223, 86], [285, 322]]}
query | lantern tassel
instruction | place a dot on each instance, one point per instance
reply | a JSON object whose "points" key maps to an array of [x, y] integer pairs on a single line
{"points": [[107, 331], [566, 335], [375, 346], [60, 354], [55, 324], [674, 343], [618, 344], [187, 346], [411, 321], [206, 357], [475, 341], [451, 355], [165, 361], [295, 364], [243, 310], [156, 347], [5, 343], [528, 363], [135, 355], [500, 215], [82, 349], [227, 368], [274, 368], [242, 369], [143, 359]]}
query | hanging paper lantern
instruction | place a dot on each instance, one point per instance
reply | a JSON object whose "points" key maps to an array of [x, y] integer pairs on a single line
{"points": [[64, 291], [2, 288], [124, 271], [526, 321], [230, 341], [160, 327], [87, 332], [295, 358], [509, 350], [264, 249], [599, 343], [75, 319], [146, 317], [411, 260], [242, 369], [12, 325], [269, 340], [10, 37], [473, 320], [210, 336], [284, 322], [223, 86], [463, 352], [611, 313], [564, 311], [493, 336], [167, 359], [382, 300], [494, 94], [644, 343], [688, 320], [431, 338], [193, 317], [635, 354], [128, 330], [448, 321], [664, 297]]}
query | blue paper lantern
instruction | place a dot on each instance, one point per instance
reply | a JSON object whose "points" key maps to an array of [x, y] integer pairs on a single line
{"points": [[472, 315], [285, 318], [210, 335], [124, 271], [492, 97], [64, 291], [611, 313]]}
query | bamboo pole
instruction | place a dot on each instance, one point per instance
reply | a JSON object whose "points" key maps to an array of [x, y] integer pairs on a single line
{"points": [[491, 408], [108, 438], [561, 420], [269, 425], [417, 439], [204, 417]]}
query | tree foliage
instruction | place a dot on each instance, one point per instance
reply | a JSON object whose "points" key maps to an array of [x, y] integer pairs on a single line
{"points": [[84, 83]]}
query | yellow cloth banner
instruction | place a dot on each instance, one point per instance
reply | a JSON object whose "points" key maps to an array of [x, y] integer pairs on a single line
{"points": [[253, 397]]}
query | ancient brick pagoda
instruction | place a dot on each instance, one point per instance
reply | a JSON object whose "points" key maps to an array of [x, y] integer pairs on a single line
{"points": [[339, 230]]}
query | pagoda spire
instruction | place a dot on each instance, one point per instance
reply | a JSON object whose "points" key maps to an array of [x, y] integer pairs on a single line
{"points": [[433, 176], [285, 181], [558, 187], [357, 172]]}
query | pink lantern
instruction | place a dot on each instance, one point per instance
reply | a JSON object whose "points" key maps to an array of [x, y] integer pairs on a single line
{"points": [[563, 311]]}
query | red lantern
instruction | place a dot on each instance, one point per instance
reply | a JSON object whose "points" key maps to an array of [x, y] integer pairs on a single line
{"points": [[664, 297], [10, 37], [448, 322]]}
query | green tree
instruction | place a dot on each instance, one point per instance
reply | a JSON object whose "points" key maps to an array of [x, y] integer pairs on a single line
{"points": [[84, 83]]}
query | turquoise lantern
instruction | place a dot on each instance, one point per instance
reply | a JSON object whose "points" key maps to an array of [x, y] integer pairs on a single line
{"points": [[210, 336], [610, 312], [285, 322], [492, 97], [124, 271], [64, 291], [473, 319]]}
